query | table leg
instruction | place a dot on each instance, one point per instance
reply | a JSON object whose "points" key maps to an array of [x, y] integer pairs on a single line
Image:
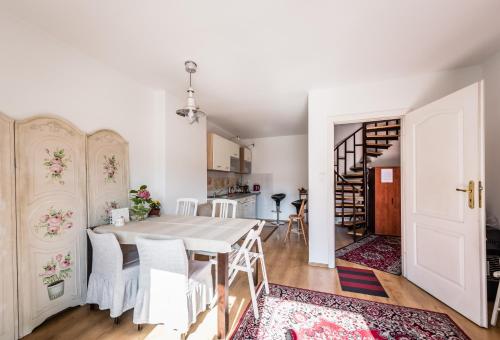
{"points": [[222, 292]]}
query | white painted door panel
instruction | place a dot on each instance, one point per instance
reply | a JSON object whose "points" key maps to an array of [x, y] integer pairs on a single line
{"points": [[444, 238], [51, 218], [8, 284]]}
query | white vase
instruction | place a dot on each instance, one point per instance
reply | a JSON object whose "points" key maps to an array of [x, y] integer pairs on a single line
{"points": [[56, 290]]}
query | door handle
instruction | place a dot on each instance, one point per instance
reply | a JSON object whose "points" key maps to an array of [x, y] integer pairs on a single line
{"points": [[480, 193], [470, 191]]}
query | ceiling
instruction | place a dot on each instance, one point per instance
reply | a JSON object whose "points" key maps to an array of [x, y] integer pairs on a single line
{"points": [[258, 59]]}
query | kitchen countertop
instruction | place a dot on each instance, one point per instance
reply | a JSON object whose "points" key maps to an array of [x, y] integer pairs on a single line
{"points": [[234, 196]]}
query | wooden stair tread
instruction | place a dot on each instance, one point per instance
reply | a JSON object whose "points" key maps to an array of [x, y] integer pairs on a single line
{"points": [[379, 137], [378, 145], [349, 214], [383, 128], [353, 175], [347, 188], [349, 205], [358, 233], [374, 153], [351, 223]]}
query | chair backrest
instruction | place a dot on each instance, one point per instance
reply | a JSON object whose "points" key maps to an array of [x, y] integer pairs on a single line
{"points": [[249, 241], [302, 207], [163, 281], [107, 256], [186, 207], [163, 255], [222, 206]]}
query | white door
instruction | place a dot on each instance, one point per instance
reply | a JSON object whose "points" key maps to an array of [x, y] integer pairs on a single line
{"points": [[51, 218], [8, 293], [444, 235]]}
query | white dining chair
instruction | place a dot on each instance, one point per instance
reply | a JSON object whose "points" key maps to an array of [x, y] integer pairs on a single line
{"points": [[496, 306], [243, 257], [111, 285], [221, 208], [172, 289], [186, 207]]}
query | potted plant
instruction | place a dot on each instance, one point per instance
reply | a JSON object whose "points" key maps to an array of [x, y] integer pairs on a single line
{"points": [[54, 273], [141, 199], [155, 206]]}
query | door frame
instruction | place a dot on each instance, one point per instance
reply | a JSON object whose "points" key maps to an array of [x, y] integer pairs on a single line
{"points": [[348, 119]]}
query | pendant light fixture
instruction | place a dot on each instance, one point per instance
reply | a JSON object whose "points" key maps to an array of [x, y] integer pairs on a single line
{"points": [[191, 111]]}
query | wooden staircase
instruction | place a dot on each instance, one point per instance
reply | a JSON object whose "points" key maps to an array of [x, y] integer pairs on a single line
{"points": [[352, 157]]}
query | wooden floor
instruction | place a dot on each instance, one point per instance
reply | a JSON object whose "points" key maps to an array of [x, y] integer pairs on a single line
{"points": [[287, 264]]}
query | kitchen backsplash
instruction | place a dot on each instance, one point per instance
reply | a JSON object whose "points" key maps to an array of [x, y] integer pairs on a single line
{"points": [[217, 180]]}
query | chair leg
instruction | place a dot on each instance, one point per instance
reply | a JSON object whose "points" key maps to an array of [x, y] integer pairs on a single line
{"points": [[301, 224], [263, 266], [251, 286], [116, 320], [139, 327], [288, 230], [93, 306], [496, 307]]}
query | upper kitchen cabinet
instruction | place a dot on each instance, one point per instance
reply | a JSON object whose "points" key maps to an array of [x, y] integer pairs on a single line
{"points": [[245, 160], [222, 154]]}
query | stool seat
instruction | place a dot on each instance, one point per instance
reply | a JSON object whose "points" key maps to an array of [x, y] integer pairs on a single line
{"points": [[297, 204], [278, 197]]}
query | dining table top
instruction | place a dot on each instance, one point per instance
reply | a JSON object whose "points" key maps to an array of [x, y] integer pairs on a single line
{"points": [[202, 233]]}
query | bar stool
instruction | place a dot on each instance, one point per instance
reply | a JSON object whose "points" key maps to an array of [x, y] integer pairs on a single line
{"points": [[277, 199]]}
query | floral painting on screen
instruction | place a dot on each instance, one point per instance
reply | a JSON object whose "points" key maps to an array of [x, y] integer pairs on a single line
{"points": [[110, 168], [55, 221], [56, 163]]}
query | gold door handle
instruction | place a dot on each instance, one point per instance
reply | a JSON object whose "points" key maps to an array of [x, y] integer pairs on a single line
{"points": [[470, 192], [480, 193]]}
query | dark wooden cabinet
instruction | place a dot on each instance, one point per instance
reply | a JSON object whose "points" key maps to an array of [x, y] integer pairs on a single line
{"points": [[385, 201]]}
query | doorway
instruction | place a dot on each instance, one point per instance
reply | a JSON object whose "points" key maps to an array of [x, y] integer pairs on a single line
{"points": [[443, 215], [367, 193]]}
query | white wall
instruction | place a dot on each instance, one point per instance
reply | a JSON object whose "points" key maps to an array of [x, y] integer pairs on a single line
{"points": [[397, 95], [41, 75], [279, 165], [491, 72]]}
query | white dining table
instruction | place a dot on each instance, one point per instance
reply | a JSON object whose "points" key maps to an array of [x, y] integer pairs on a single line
{"points": [[199, 233]]}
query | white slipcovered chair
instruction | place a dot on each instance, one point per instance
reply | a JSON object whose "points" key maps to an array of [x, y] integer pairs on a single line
{"points": [[186, 207], [172, 289], [111, 285], [222, 207], [243, 257]]}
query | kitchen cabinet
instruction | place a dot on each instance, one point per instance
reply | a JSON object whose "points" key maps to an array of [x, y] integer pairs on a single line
{"points": [[247, 207], [222, 154], [245, 160]]}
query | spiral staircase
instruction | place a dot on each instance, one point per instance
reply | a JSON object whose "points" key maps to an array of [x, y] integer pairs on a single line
{"points": [[353, 156]]}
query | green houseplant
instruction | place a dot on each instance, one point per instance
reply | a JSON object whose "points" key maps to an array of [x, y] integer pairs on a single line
{"points": [[141, 199]]}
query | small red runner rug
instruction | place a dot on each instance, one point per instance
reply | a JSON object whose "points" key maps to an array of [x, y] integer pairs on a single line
{"points": [[361, 281], [374, 251], [294, 313]]}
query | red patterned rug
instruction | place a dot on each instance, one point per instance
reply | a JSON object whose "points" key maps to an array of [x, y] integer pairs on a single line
{"points": [[294, 313], [377, 252]]}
